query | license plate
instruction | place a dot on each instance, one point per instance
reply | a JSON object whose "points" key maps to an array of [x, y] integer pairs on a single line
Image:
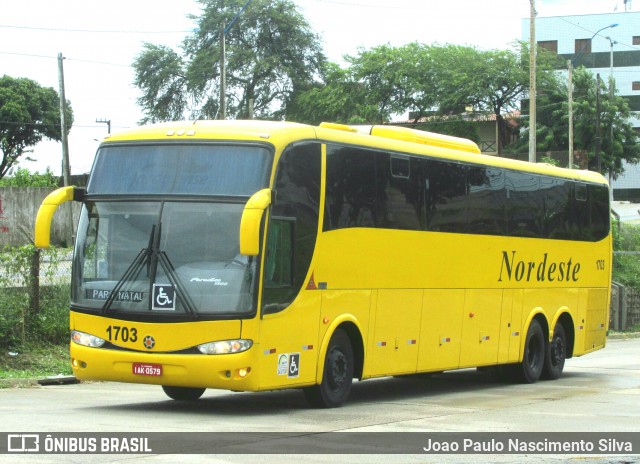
{"points": [[152, 370]]}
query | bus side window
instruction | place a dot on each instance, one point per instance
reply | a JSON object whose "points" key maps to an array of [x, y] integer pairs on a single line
{"points": [[398, 197], [445, 196], [523, 191], [278, 272], [486, 197], [293, 225]]}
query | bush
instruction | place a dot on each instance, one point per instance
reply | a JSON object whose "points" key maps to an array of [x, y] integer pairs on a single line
{"points": [[626, 267], [34, 301]]}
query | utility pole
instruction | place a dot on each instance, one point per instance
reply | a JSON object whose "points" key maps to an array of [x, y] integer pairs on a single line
{"points": [[570, 67], [66, 169], [598, 130], [611, 87], [532, 83]]}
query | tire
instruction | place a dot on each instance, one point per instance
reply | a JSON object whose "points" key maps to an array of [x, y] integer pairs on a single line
{"points": [[183, 393], [530, 369], [555, 354], [337, 377]]}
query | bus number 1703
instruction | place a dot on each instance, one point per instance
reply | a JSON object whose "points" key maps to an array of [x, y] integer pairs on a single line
{"points": [[123, 334]]}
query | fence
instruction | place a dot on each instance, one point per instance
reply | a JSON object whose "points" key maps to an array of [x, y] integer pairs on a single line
{"points": [[18, 209], [625, 307], [34, 296]]}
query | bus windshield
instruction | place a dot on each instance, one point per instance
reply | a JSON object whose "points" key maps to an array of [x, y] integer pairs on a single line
{"points": [[180, 169], [158, 235]]}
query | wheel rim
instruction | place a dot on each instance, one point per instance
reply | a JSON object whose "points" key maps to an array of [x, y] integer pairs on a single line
{"points": [[337, 369], [557, 351]]}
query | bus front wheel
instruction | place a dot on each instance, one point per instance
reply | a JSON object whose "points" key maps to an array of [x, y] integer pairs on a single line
{"points": [[183, 393], [338, 374]]}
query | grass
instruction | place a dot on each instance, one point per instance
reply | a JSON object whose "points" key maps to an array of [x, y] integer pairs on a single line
{"points": [[34, 362], [633, 328]]}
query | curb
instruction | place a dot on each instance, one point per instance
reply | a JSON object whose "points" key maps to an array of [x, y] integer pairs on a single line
{"points": [[18, 383], [622, 335], [44, 382]]}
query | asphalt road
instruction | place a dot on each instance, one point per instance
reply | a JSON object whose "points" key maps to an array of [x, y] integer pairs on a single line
{"points": [[599, 392]]}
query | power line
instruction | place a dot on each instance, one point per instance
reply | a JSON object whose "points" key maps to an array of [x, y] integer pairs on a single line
{"points": [[30, 55], [591, 32], [363, 5], [74, 125], [97, 31]]}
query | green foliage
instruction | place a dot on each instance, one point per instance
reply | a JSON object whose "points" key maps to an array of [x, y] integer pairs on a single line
{"points": [[23, 178], [549, 160], [270, 54], [35, 361], [454, 127], [34, 304], [28, 113], [626, 267], [618, 141], [426, 80]]}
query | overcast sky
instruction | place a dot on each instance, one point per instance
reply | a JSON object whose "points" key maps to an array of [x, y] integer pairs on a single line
{"points": [[100, 39]]}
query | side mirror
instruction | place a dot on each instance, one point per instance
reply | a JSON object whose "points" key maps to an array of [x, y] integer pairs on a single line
{"points": [[42, 232], [251, 220]]}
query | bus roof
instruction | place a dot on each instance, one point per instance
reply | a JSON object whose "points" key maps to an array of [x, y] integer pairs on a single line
{"points": [[393, 138]]}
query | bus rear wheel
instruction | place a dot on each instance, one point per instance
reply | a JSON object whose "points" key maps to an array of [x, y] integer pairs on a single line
{"points": [[556, 354], [337, 376], [183, 393], [530, 369]]}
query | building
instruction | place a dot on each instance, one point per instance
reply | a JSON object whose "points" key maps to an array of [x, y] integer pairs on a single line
{"points": [[608, 44]]}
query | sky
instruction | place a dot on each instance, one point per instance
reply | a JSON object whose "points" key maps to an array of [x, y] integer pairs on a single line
{"points": [[100, 40]]}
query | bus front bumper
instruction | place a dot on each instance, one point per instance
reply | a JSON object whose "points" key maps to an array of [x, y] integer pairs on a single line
{"points": [[224, 371]]}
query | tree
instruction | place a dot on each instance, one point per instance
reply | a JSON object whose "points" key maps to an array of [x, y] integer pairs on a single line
{"points": [[338, 98], [618, 141], [615, 140], [23, 178], [491, 81], [271, 53], [28, 113]]}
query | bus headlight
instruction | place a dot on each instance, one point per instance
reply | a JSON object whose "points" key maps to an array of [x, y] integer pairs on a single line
{"points": [[225, 346], [86, 339]]}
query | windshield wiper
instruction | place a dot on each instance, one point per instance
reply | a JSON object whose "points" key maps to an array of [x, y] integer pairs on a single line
{"points": [[151, 256], [132, 272]]}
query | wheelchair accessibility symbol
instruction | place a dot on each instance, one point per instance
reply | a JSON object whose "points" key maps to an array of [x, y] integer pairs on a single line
{"points": [[294, 365], [164, 297], [289, 364]]}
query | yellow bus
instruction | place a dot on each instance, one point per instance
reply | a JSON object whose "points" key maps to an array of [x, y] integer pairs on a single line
{"points": [[253, 255]]}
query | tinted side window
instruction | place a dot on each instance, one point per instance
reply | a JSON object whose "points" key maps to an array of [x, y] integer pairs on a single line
{"points": [[487, 201], [523, 204], [600, 211], [445, 196], [293, 225], [557, 208], [591, 212], [399, 201], [369, 188], [351, 188]]}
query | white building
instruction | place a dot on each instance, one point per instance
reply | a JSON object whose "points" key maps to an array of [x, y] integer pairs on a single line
{"points": [[608, 44]]}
